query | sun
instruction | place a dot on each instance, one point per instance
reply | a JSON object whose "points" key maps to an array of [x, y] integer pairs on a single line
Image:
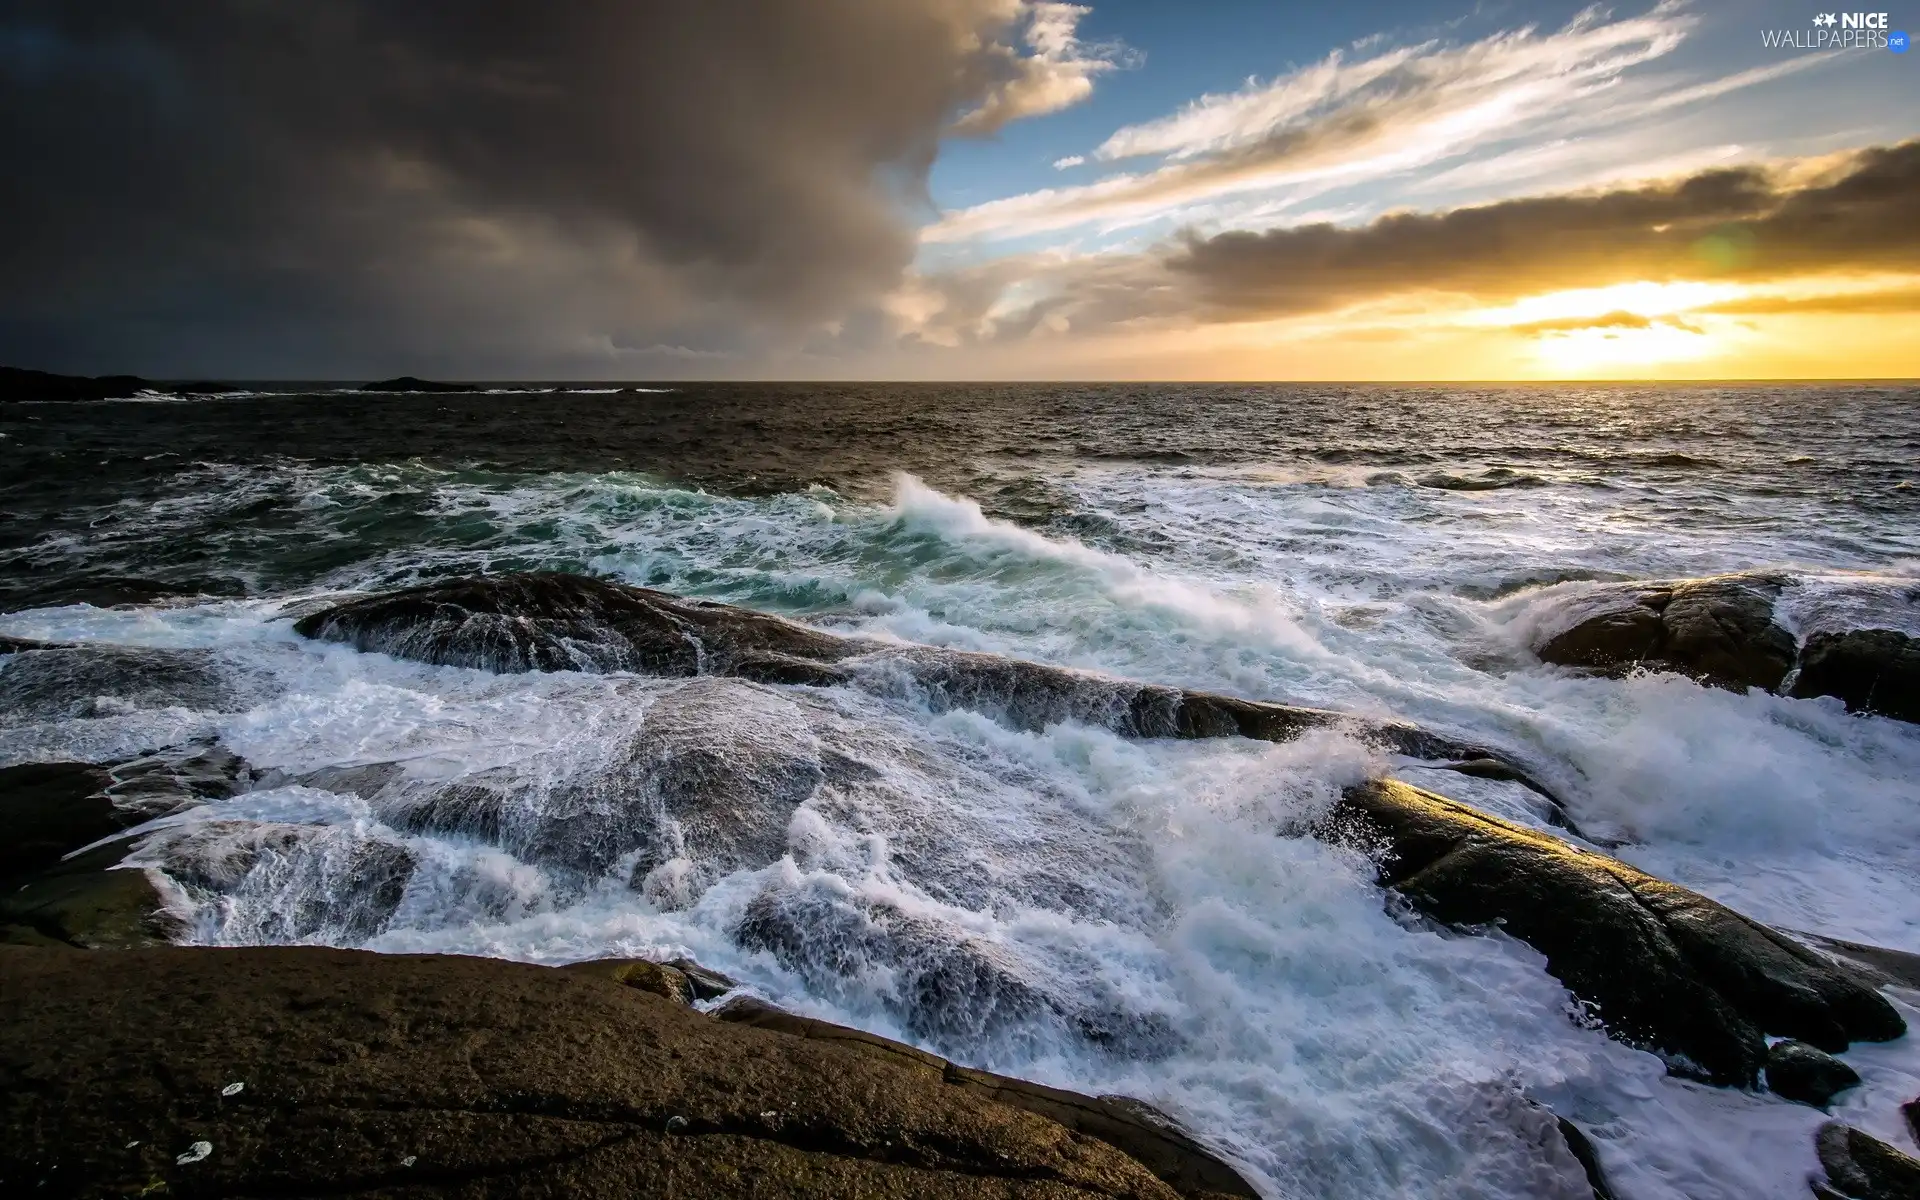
{"points": [[1604, 350]]}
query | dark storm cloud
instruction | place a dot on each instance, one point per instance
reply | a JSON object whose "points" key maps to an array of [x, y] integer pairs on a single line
{"points": [[342, 186], [1743, 223]]}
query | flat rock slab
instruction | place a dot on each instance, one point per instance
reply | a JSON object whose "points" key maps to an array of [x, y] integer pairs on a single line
{"points": [[1666, 968], [377, 1075]]}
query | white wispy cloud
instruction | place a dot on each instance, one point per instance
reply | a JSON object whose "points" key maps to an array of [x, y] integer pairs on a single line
{"points": [[1057, 72], [1344, 118]]}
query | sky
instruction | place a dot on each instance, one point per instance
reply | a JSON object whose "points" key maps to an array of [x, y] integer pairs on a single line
{"points": [[959, 189]]}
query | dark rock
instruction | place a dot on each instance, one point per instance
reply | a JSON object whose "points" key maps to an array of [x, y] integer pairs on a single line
{"points": [[1806, 1074], [52, 809], [1666, 968], [302, 881], [1911, 1111], [71, 682], [947, 986], [1719, 631], [1862, 1167], [17, 384], [14, 645], [1140, 1130], [113, 591], [1581, 1147], [430, 1076], [706, 984], [88, 902], [559, 622], [407, 383], [48, 809], [1884, 967], [1871, 670]]}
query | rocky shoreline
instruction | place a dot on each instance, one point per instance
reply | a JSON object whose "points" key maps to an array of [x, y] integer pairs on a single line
{"points": [[605, 1078]]}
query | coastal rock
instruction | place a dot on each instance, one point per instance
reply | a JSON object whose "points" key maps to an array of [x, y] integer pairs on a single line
{"points": [[304, 881], [1871, 670], [707, 786], [112, 1066], [1860, 1166], [940, 982], [1665, 968], [83, 681], [558, 622], [88, 902], [409, 383], [52, 809], [1137, 1128], [550, 621], [1806, 1074], [17, 384], [49, 809], [111, 591], [1719, 631]]}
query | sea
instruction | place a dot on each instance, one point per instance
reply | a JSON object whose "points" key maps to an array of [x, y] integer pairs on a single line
{"points": [[1383, 550]]}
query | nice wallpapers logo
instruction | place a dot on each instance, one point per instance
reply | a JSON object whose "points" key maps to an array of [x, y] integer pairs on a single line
{"points": [[1839, 31]]}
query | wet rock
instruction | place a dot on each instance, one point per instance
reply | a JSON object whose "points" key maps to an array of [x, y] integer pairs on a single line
{"points": [[549, 621], [113, 591], [1871, 670], [295, 881], [661, 979], [98, 680], [15, 645], [1879, 965], [1133, 1126], [727, 763], [1719, 631], [1581, 1147], [565, 1085], [89, 902], [1807, 1074], [1862, 1167], [49, 810], [558, 622], [1665, 968], [706, 984], [942, 983]]}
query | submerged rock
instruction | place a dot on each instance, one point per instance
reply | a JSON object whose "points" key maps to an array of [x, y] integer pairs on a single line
{"points": [[557, 622], [566, 1084], [1665, 968], [293, 882], [1719, 631], [1807, 1074], [1871, 670], [81, 681], [942, 983], [1860, 1166]]}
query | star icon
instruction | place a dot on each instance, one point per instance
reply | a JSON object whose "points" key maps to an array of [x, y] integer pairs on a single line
{"points": [[1825, 19]]}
